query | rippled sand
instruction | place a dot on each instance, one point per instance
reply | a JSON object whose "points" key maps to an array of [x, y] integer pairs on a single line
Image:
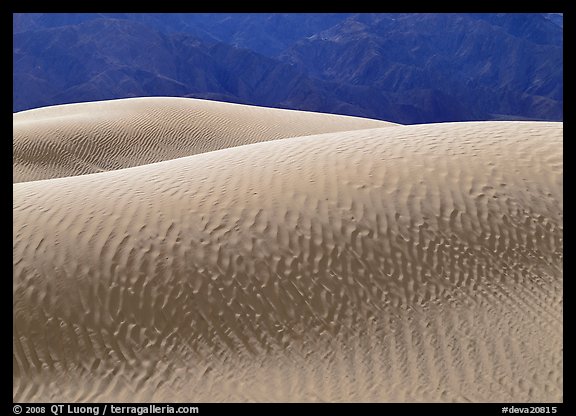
{"points": [[76, 139], [397, 263]]}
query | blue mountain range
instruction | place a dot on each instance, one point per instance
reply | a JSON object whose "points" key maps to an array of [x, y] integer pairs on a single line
{"points": [[407, 68]]}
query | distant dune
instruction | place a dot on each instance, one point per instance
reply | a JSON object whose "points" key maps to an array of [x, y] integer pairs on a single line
{"points": [[75, 139], [395, 263]]}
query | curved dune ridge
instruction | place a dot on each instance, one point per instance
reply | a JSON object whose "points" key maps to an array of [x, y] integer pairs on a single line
{"points": [[77, 139], [399, 263]]}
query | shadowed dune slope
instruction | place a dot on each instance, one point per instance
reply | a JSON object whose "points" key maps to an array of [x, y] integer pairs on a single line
{"points": [[412, 263], [76, 139]]}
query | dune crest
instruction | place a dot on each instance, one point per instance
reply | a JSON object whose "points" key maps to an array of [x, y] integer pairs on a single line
{"points": [[77, 139], [398, 263]]}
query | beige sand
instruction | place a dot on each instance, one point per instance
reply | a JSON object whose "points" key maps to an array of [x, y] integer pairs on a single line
{"points": [[76, 139], [410, 263]]}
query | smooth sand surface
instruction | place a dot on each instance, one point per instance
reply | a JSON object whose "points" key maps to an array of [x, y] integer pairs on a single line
{"points": [[76, 139], [409, 263]]}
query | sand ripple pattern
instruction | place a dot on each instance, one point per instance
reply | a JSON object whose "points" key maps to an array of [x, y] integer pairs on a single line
{"points": [[410, 263], [77, 139]]}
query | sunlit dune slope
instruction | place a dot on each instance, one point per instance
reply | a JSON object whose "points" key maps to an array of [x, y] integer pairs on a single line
{"points": [[76, 139], [410, 263]]}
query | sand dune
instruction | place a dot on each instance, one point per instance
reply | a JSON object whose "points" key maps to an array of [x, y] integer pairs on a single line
{"points": [[410, 263], [76, 139]]}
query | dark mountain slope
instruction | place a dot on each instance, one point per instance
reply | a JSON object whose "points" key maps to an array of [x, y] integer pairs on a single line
{"points": [[491, 64], [111, 58], [408, 68]]}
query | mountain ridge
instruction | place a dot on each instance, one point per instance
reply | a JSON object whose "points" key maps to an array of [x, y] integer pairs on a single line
{"points": [[406, 68]]}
